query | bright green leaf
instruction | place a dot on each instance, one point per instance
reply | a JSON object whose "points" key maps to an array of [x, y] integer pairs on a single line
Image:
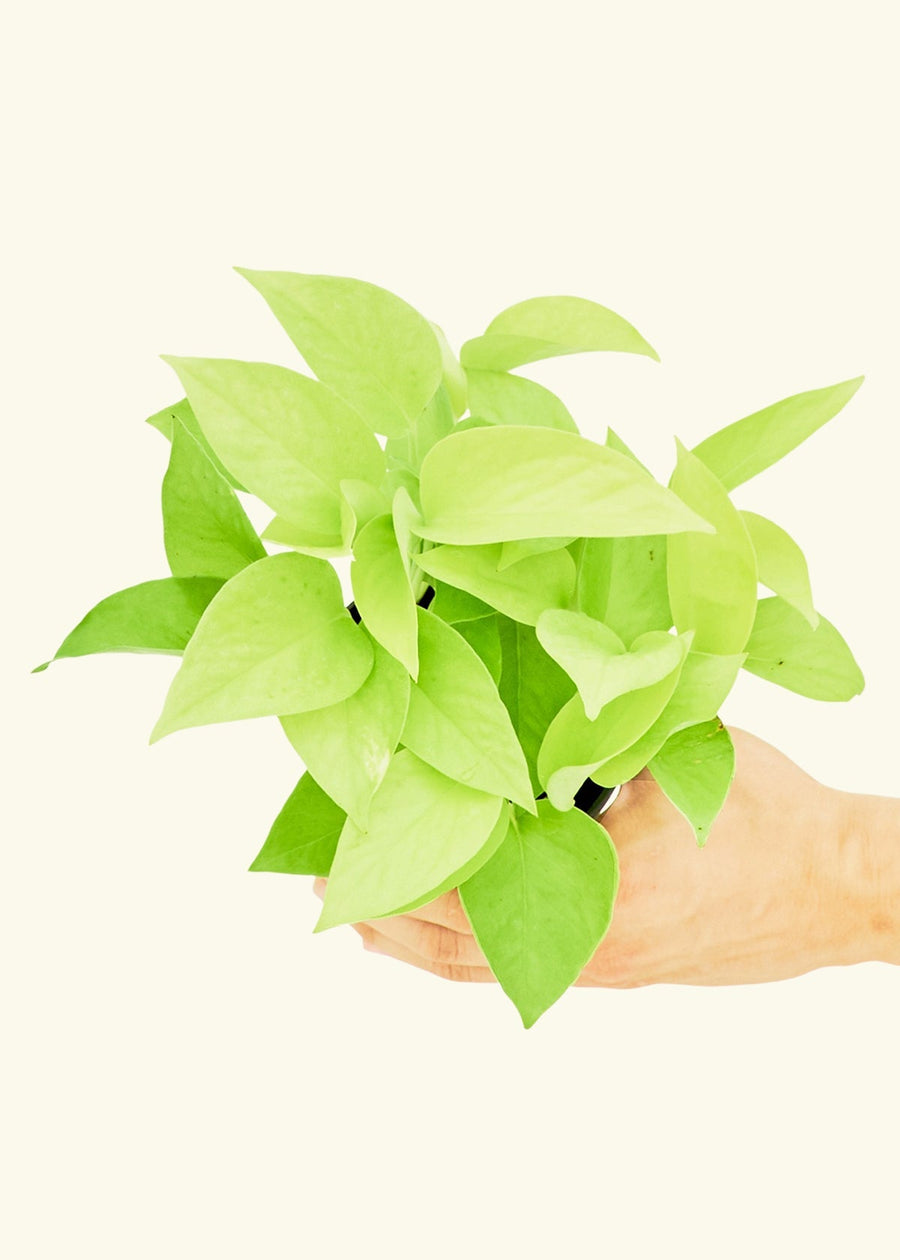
{"points": [[622, 582], [522, 590], [348, 746], [695, 768], [544, 327], [305, 834], [532, 687], [503, 482], [367, 344], [182, 412], [574, 746], [784, 649], [520, 548], [615, 443], [468, 869], [703, 685], [382, 591], [457, 721], [155, 616], [276, 639], [434, 423], [712, 579], [502, 398], [747, 447], [454, 378], [483, 635], [205, 528], [782, 565], [308, 542], [453, 605], [597, 661], [289, 439], [361, 502], [542, 904], [422, 829], [405, 514]]}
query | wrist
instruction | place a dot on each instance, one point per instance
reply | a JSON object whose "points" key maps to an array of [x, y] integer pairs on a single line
{"points": [[867, 918]]}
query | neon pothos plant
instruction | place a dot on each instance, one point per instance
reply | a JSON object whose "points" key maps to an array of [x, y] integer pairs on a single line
{"points": [[532, 609]]}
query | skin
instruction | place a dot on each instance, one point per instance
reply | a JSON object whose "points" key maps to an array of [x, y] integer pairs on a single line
{"points": [[794, 876]]}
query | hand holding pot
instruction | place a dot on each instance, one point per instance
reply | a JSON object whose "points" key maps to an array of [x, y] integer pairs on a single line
{"points": [[795, 876]]}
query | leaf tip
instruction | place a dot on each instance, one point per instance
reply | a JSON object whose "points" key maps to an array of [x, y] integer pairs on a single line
{"points": [[39, 669]]}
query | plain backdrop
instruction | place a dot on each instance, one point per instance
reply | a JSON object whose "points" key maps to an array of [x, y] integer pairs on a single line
{"points": [[187, 1070]]}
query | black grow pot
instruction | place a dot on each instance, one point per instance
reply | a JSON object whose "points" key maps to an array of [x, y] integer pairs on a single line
{"points": [[590, 797]]}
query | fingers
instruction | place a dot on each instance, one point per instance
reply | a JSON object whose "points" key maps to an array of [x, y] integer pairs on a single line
{"points": [[445, 910], [377, 943], [425, 944], [430, 940]]}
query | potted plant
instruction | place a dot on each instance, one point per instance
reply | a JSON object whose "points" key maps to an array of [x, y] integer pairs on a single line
{"points": [[534, 619]]}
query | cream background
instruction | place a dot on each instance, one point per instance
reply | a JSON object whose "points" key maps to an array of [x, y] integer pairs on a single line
{"points": [[187, 1070]]}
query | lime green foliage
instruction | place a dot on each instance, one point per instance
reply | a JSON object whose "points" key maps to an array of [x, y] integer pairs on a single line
{"points": [[513, 481], [542, 903], [368, 345], [204, 526], [597, 661], [382, 591], [702, 688], [423, 828], [782, 565], [502, 398], [695, 768], [181, 412], [289, 438], [534, 608], [457, 721], [521, 590], [348, 746], [305, 834], [276, 639], [712, 577], [749, 446], [785, 649], [544, 327], [158, 616], [575, 747]]}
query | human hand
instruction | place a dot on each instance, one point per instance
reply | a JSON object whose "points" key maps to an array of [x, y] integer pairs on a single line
{"points": [[794, 876]]}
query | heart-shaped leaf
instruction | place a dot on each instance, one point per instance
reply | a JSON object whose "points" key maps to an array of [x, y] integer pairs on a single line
{"points": [[695, 768], [541, 905], [367, 344], [503, 482], [703, 685], [422, 829], [574, 746], [348, 746], [276, 639], [544, 327], [597, 661], [289, 438], [457, 721]]}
